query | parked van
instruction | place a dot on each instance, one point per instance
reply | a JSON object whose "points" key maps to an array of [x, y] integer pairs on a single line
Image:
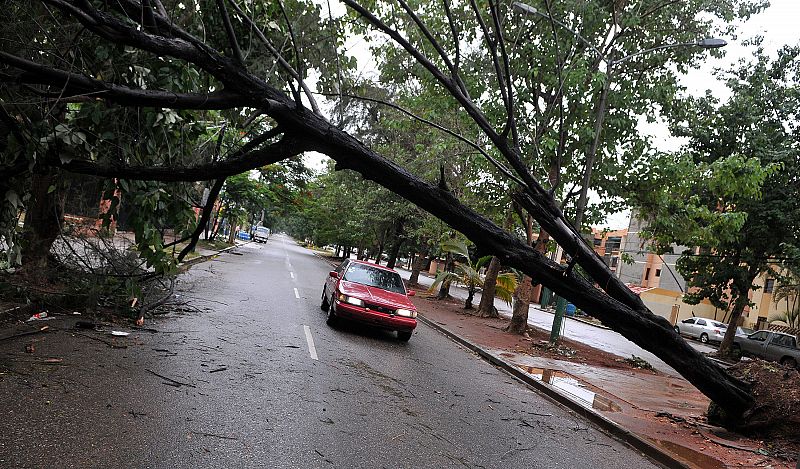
{"points": [[261, 235]]}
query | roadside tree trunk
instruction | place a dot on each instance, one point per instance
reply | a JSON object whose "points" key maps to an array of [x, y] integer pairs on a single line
{"points": [[397, 243], [742, 299], [43, 220], [486, 307], [470, 296], [419, 263], [519, 315], [444, 289]]}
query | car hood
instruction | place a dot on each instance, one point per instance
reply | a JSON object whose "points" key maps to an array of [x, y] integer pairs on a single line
{"points": [[375, 295]]}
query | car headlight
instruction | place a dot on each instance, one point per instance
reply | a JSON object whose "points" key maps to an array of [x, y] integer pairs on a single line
{"points": [[351, 300], [407, 313]]}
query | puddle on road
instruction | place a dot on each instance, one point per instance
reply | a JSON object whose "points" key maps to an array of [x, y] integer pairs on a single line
{"points": [[574, 387]]}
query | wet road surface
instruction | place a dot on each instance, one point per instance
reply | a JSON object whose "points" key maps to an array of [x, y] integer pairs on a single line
{"points": [[257, 379]]}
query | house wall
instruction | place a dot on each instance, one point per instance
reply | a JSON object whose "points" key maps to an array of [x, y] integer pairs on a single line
{"points": [[661, 302]]}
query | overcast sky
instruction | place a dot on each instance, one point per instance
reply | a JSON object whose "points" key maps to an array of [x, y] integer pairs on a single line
{"points": [[779, 25]]}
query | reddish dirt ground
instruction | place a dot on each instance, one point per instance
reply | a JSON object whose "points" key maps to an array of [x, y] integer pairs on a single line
{"points": [[670, 414]]}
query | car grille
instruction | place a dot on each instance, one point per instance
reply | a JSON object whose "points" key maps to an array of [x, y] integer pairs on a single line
{"points": [[379, 308]]}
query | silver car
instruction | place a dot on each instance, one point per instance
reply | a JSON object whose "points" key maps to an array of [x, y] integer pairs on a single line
{"points": [[707, 330]]}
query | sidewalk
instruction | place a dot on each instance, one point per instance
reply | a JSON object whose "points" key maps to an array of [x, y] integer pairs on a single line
{"points": [[589, 334], [657, 409]]}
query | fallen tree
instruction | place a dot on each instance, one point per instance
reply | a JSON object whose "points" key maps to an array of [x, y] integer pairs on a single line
{"points": [[144, 27]]}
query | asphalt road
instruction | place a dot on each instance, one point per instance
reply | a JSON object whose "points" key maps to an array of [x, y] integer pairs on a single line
{"points": [[257, 379]]}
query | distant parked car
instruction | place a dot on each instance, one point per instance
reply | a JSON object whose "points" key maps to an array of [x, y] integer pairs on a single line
{"points": [[769, 345], [706, 330], [370, 294], [261, 234], [243, 235]]}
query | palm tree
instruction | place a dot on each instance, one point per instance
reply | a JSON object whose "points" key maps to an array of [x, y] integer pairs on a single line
{"points": [[788, 290], [468, 274]]}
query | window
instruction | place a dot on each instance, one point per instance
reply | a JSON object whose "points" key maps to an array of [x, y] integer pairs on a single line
{"points": [[701, 322], [688, 321], [783, 340], [647, 274], [613, 243], [374, 277], [769, 285], [614, 261], [658, 272], [598, 241], [760, 336]]}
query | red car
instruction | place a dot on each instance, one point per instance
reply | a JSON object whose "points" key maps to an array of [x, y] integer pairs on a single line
{"points": [[370, 294]]}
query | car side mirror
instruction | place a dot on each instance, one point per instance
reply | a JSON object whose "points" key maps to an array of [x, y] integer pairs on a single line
{"points": [[334, 274]]}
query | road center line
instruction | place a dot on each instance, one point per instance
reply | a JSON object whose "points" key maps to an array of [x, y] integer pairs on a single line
{"points": [[291, 274], [297, 295], [311, 349]]}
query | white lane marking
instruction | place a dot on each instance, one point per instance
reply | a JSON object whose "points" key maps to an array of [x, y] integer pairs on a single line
{"points": [[311, 349], [296, 294], [291, 274]]}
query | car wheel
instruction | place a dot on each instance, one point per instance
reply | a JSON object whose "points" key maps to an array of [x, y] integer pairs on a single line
{"points": [[677, 330], [789, 361], [324, 305], [704, 338], [332, 320], [404, 336]]}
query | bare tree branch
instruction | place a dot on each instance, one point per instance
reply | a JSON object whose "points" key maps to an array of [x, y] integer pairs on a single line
{"points": [[460, 137], [281, 60], [226, 21]]}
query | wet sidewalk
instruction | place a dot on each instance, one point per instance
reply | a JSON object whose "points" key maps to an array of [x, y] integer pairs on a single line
{"points": [[662, 409]]}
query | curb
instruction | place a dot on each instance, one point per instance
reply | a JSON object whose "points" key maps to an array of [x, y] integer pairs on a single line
{"points": [[625, 436], [207, 257]]}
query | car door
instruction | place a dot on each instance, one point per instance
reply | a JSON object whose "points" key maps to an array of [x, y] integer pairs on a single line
{"points": [[754, 343], [776, 348], [686, 326], [699, 327], [330, 282]]}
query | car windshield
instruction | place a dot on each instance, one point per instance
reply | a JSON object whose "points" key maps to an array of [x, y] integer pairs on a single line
{"points": [[261, 229], [374, 277]]}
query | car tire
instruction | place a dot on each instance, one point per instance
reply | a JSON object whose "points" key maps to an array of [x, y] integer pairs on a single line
{"points": [[677, 330], [404, 336], [324, 305], [789, 361], [704, 338], [332, 320]]}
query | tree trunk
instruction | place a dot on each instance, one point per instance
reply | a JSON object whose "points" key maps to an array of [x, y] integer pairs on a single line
{"points": [[43, 220], [398, 239], [486, 307], [444, 289], [381, 246], [419, 263], [470, 296], [338, 250], [742, 299], [519, 315]]}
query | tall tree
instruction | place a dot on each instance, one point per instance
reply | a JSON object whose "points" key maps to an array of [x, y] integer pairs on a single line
{"points": [[733, 195], [296, 128]]}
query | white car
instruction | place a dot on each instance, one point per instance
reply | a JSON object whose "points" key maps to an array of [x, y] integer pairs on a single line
{"points": [[261, 235], [707, 330]]}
